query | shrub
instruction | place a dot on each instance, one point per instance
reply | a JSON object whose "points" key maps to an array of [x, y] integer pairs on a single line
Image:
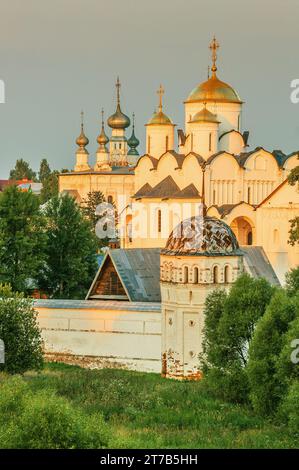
{"points": [[43, 420], [20, 332], [290, 407], [230, 320], [265, 383]]}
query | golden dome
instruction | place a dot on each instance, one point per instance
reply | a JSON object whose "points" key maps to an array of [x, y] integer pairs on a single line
{"points": [[214, 90], [159, 118], [204, 115], [102, 138], [82, 140], [118, 120]]}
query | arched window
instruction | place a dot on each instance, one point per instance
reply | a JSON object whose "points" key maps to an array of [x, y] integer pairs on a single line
{"points": [[249, 195], [110, 200], [215, 275], [120, 146], [195, 275], [149, 144], [214, 196], [166, 143], [226, 274], [249, 238], [186, 274], [210, 141], [159, 221]]}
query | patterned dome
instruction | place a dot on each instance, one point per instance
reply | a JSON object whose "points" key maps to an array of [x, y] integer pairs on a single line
{"points": [[201, 236]]}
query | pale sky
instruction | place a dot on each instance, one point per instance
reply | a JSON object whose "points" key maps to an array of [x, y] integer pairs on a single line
{"points": [[59, 56]]}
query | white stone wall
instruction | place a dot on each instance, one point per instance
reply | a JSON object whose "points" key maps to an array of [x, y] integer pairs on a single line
{"points": [[100, 334]]}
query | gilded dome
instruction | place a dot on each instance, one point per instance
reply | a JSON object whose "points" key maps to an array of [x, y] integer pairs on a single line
{"points": [[214, 90], [118, 120], [204, 115], [159, 118], [82, 140], [200, 235]]}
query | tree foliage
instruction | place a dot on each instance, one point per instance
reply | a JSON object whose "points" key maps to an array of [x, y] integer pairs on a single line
{"points": [[44, 170], [71, 250], [88, 207], [22, 238], [230, 320], [19, 331], [21, 171], [265, 383]]}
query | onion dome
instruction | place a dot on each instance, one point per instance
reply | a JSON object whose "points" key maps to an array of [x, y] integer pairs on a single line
{"points": [[204, 115], [160, 118], [82, 140], [102, 138], [202, 235], [133, 142], [214, 89], [118, 120]]}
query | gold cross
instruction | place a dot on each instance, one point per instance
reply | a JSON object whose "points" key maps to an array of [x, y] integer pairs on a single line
{"points": [[118, 88], [82, 119], [160, 93], [214, 46]]}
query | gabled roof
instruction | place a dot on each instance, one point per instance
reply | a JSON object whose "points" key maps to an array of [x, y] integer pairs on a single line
{"points": [[138, 270], [226, 209], [167, 189], [143, 190], [188, 192], [258, 265]]}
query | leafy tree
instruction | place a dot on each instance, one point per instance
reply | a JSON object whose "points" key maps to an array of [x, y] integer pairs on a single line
{"points": [[229, 326], [22, 238], [50, 187], [287, 365], [265, 383], [88, 207], [290, 407], [20, 332], [292, 281], [21, 171], [71, 250], [293, 179], [44, 170]]}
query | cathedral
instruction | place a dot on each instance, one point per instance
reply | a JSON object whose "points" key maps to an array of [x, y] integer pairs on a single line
{"points": [[208, 161]]}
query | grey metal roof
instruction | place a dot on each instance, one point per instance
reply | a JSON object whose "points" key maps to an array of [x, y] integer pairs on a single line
{"points": [[139, 272], [98, 305], [258, 264]]}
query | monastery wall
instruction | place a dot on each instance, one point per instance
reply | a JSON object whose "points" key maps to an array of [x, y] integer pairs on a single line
{"points": [[99, 334]]}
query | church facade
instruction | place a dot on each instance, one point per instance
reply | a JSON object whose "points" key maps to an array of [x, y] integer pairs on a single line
{"points": [[209, 161]]}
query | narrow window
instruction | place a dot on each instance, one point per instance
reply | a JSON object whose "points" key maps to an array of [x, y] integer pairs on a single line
{"points": [[215, 275], [159, 221], [249, 195], [120, 146], [226, 274], [110, 199], [149, 144], [186, 274], [214, 196], [210, 142], [166, 143], [249, 238], [195, 276]]}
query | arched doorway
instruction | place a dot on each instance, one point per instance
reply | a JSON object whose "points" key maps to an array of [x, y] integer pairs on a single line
{"points": [[243, 229]]}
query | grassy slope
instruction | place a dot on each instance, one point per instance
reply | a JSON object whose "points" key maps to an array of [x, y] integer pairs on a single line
{"points": [[146, 411]]}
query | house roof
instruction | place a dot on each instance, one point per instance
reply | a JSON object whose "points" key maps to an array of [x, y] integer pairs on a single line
{"points": [[258, 265], [138, 270]]}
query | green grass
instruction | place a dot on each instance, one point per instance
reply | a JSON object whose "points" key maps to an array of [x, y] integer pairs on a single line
{"points": [[146, 411]]}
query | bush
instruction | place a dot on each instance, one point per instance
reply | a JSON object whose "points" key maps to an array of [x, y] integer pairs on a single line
{"points": [[290, 407], [43, 420], [265, 383], [20, 332], [230, 320]]}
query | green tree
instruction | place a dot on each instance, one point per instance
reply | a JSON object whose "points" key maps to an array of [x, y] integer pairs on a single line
{"points": [[22, 238], [293, 179], [44, 170], [292, 281], [71, 250], [21, 171], [265, 383], [50, 187], [88, 207], [229, 325], [20, 332]]}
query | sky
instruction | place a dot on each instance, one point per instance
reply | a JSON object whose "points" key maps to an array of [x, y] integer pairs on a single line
{"points": [[60, 56]]}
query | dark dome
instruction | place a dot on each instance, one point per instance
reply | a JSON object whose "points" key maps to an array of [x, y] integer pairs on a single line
{"points": [[202, 236]]}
